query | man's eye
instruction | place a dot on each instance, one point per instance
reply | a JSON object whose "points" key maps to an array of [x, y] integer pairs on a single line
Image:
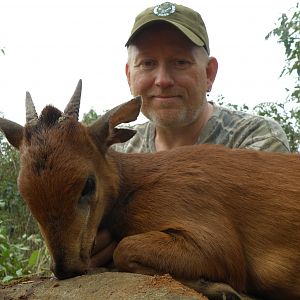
{"points": [[180, 63], [147, 64]]}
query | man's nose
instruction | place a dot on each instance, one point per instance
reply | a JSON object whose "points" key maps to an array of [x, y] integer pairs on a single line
{"points": [[163, 78]]}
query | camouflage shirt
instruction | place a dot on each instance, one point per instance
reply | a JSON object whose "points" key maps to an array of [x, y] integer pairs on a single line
{"points": [[233, 129]]}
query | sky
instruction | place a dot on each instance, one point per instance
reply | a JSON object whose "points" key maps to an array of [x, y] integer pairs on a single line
{"points": [[51, 44]]}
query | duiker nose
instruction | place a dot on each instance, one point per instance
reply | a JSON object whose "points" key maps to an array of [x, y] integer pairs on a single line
{"points": [[61, 272]]}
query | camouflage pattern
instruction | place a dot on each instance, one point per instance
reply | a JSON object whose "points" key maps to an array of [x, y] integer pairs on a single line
{"points": [[226, 127]]}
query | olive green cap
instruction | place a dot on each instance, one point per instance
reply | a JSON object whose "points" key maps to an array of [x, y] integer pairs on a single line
{"points": [[188, 21]]}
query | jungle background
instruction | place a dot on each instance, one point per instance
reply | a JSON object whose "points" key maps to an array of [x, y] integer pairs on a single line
{"points": [[22, 251]]}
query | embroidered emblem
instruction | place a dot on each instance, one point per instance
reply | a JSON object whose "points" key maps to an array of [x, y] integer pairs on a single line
{"points": [[164, 9]]}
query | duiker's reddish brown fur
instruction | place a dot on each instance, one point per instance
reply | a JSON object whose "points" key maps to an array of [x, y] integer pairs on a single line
{"points": [[197, 212]]}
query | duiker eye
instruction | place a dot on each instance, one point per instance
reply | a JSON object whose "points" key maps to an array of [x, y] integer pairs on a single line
{"points": [[88, 190]]}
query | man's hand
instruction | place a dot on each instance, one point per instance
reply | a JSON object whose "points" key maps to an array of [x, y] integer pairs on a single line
{"points": [[102, 253]]}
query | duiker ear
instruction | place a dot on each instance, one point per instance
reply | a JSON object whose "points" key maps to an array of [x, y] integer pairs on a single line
{"points": [[104, 129], [12, 131]]}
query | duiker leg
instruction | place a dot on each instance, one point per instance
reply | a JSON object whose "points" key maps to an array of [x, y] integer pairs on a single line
{"points": [[160, 252]]}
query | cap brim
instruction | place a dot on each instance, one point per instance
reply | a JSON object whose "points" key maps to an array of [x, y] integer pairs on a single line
{"points": [[188, 33]]}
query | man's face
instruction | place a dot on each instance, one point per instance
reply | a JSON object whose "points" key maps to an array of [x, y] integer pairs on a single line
{"points": [[170, 73]]}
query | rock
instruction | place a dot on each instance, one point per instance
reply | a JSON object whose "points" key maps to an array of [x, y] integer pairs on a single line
{"points": [[100, 285]]}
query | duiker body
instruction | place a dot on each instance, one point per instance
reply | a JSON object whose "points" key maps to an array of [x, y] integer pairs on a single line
{"points": [[196, 212]]}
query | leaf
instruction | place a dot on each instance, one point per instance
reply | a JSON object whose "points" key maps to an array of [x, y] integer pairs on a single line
{"points": [[19, 272], [287, 33], [7, 278], [33, 258]]}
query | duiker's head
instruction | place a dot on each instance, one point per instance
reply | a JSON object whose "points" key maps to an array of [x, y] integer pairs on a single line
{"points": [[66, 177]]}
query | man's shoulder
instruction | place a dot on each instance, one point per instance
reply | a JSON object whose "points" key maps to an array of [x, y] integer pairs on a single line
{"points": [[237, 119], [238, 129]]}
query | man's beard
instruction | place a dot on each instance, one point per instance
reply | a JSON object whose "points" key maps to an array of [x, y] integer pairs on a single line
{"points": [[173, 119]]}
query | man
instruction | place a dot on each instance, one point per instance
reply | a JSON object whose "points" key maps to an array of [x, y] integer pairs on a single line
{"points": [[170, 67]]}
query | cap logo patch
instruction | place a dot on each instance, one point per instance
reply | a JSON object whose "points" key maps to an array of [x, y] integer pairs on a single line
{"points": [[164, 9]]}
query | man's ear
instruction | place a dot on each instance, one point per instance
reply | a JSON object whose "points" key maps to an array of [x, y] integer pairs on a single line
{"points": [[127, 71], [211, 72]]}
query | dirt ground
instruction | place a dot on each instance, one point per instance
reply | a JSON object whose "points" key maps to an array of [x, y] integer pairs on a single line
{"points": [[99, 285]]}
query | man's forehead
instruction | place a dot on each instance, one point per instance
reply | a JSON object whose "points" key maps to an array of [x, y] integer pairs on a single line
{"points": [[165, 51]]}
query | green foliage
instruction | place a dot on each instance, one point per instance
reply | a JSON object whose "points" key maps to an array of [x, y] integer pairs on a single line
{"points": [[288, 34], [89, 117], [2, 50], [21, 248], [12, 207], [14, 260], [287, 115], [221, 101], [9, 168]]}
